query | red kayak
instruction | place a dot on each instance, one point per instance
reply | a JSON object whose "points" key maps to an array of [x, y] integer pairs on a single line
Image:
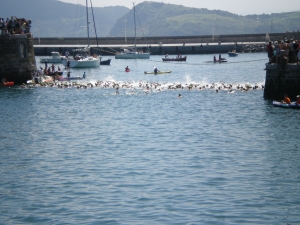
{"points": [[127, 70], [8, 84]]}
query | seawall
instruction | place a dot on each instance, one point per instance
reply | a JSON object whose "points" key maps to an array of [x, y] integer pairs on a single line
{"points": [[282, 79], [17, 59]]}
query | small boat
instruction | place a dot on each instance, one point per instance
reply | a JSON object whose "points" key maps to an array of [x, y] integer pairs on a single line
{"points": [[293, 105], [69, 78], [177, 59], [217, 61], [158, 72], [55, 58], [8, 84], [233, 53], [105, 62]]}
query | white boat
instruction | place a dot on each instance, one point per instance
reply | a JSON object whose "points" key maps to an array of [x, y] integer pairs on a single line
{"points": [[82, 57], [55, 58], [233, 53], [132, 53]]}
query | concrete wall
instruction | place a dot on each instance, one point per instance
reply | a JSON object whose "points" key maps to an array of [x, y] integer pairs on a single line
{"points": [[166, 40], [17, 59], [154, 50], [282, 79]]}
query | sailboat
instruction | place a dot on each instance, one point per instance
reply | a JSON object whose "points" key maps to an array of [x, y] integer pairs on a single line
{"points": [[133, 53], [82, 57]]}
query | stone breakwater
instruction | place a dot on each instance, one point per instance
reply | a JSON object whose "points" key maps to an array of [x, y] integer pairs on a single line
{"points": [[17, 59], [282, 79]]}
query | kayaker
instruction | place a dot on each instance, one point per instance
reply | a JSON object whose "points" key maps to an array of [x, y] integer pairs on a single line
{"points": [[127, 68], [286, 99], [215, 60], [155, 69]]}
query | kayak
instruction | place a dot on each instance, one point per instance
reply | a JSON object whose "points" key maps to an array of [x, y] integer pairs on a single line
{"points": [[158, 72], [8, 84], [293, 105], [127, 70]]}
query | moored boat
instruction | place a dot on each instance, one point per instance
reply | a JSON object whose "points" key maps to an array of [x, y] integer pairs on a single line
{"points": [[55, 58], [105, 62], [133, 53]]}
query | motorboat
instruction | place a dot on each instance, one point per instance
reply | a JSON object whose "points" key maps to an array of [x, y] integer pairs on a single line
{"points": [[55, 58], [233, 53]]}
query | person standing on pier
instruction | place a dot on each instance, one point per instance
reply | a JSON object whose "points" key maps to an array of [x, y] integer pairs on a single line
{"points": [[270, 51]]}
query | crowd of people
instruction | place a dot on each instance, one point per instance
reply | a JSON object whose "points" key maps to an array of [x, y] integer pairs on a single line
{"points": [[14, 25], [287, 51]]}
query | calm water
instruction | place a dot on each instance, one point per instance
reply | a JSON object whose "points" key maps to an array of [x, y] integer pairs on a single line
{"points": [[90, 156]]}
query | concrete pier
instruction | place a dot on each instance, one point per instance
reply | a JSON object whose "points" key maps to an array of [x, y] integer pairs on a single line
{"points": [[17, 59], [282, 79], [155, 49]]}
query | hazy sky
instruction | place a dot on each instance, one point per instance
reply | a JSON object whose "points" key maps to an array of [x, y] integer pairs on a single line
{"points": [[240, 7]]}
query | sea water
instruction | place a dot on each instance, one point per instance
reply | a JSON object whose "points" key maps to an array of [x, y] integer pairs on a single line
{"points": [[84, 154]]}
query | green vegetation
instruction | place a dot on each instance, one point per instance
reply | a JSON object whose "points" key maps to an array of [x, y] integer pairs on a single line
{"points": [[159, 19], [52, 18]]}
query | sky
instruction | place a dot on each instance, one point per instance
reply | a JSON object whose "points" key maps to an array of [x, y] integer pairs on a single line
{"points": [[240, 7]]}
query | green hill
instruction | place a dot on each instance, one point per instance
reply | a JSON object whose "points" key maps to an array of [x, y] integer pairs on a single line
{"points": [[159, 19], [52, 18]]}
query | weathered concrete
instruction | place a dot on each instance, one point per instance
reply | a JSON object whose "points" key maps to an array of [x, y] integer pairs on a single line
{"points": [[282, 79], [171, 49], [17, 59], [232, 38]]}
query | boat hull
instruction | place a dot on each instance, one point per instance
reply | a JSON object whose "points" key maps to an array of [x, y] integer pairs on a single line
{"points": [[69, 78], [105, 62], [293, 105], [232, 54], [8, 84], [133, 56], [159, 72], [82, 63], [174, 59]]}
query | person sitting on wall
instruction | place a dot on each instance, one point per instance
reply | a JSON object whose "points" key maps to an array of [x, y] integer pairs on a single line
{"points": [[286, 99]]}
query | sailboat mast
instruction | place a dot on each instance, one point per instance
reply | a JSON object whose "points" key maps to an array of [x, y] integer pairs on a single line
{"points": [[87, 22], [134, 27]]}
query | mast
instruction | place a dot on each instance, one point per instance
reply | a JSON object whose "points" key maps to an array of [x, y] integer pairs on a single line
{"points": [[87, 22], [134, 27]]}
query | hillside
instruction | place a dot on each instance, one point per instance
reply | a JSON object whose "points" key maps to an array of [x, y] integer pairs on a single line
{"points": [[159, 19], [52, 18]]}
